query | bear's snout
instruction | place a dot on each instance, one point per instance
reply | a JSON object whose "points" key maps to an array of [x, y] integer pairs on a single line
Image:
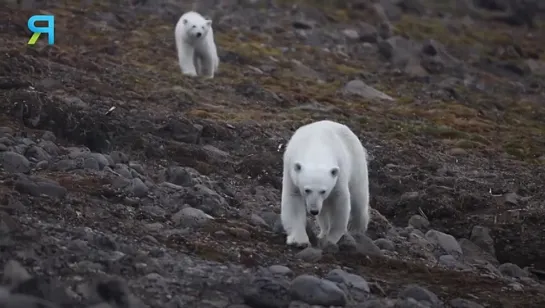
{"points": [[199, 34], [314, 212]]}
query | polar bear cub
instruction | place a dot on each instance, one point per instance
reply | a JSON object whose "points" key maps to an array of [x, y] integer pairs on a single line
{"points": [[325, 174], [197, 53]]}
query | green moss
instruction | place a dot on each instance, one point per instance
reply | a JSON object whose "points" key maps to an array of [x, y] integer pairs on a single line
{"points": [[345, 69]]}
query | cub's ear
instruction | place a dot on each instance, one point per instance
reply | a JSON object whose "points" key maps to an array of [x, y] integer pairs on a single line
{"points": [[297, 167], [209, 22], [334, 171], [185, 21]]}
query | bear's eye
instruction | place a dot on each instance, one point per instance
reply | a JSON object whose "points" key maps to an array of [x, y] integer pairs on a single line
{"points": [[194, 26], [308, 191], [322, 192]]}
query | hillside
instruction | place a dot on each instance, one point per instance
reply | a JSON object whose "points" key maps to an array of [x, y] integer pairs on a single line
{"points": [[176, 191]]}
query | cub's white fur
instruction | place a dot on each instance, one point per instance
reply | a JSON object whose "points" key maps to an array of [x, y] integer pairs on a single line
{"points": [[197, 53], [325, 174]]}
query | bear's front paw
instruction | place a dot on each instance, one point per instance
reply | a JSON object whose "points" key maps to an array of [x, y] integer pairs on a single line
{"points": [[298, 240], [192, 74]]}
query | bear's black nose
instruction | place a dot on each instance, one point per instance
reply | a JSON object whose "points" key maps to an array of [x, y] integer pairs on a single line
{"points": [[314, 212], [199, 34]]}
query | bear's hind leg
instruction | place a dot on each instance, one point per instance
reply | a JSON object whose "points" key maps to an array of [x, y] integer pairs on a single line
{"points": [[339, 216]]}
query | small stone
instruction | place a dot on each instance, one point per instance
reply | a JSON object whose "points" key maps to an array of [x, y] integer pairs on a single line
{"points": [[512, 270], [15, 163], [190, 217], [280, 270], [481, 237], [352, 284], [446, 241], [366, 246], [385, 244], [358, 87], [419, 293], [315, 291], [464, 303], [267, 292], [351, 34], [419, 222], [310, 254]]}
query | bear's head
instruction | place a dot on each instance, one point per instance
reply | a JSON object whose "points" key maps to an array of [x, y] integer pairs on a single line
{"points": [[315, 183], [197, 28]]}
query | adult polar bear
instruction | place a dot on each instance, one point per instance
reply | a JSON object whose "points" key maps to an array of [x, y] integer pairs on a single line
{"points": [[325, 174], [197, 53]]}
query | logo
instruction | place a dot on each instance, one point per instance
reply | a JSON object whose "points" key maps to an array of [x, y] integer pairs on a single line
{"points": [[36, 30]]}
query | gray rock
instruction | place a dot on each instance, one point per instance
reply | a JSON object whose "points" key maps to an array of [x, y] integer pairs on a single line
{"points": [[36, 153], [475, 254], [310, 254], [123, 170], [267, 292], [179, 176], [256, 220], [49, 136], [412, 303], [451, 262], [137, 188], [419, 293], [4, 130], [419, 222], [352, 284], [50, 147], [91, 163], [206, 199], [137, 167], [315, 291], [398, 50], [66, 165], [464, 303], [378, 303], [385, 244], [512, 270], [37, 186], [481, 237], [280, 270], [190, 217], [358, 87], [351, 34], [445, 241], [15, 163], [119, 157], [102, 160], [366, 246], [368, 33]]}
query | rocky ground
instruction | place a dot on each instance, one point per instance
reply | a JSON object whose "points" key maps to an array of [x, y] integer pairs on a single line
{"points": [[173, 196]]}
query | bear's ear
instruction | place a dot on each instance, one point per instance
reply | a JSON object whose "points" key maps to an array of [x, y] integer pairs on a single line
{"points": [[334, 171], [209, 22], [185, 21], [297, 167]]}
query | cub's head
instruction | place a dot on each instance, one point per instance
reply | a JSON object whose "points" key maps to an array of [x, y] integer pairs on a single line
{"points": [[314, 183], [196, 28]]}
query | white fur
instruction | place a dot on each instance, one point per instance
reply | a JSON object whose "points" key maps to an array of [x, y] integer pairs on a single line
{"points": [[332, 179], [197, 54]]}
